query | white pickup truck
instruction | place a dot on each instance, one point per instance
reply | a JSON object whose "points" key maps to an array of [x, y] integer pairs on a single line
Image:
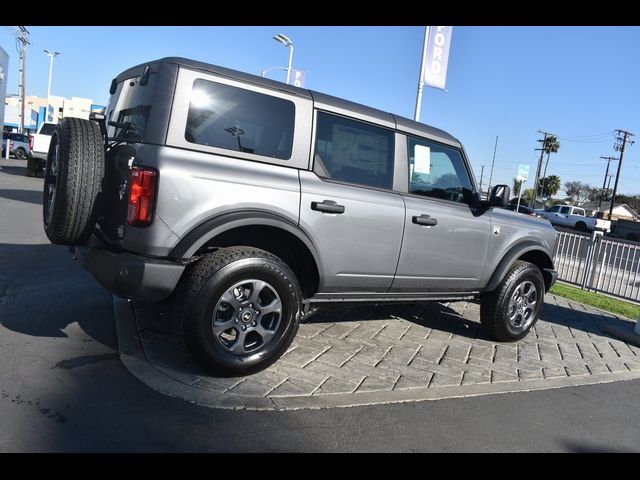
{"points": [[39, 144], [575, 217]]}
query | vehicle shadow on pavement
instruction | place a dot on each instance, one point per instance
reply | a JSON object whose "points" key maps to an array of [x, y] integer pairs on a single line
{"points": [[578, 319], [578, 447], [29, 196], [452, 318], [460, 318], [42, 292], [13, 170]]}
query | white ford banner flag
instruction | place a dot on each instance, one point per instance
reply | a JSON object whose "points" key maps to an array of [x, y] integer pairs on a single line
{"points": [[435, 74]]}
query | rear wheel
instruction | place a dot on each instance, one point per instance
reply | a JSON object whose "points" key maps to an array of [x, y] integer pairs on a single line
{"points": [[581, 226], [73, 179], [240, 310], [512, 309], [20, 153]]}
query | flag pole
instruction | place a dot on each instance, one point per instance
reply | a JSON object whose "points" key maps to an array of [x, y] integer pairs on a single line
{"points": [[416, 115]]}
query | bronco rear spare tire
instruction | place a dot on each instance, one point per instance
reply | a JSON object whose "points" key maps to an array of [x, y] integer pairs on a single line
{"points": [[72, 182]]}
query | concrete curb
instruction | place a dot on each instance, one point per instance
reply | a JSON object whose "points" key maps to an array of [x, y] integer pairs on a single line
{"points": [[135, 360]]}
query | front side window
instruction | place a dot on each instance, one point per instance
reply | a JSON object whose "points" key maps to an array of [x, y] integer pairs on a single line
{"points": [[352, 151], [241, 120], [554, 209], [438, 171]]}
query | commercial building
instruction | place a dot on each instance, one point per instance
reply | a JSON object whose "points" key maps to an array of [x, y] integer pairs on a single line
{"points": [[36, 111]]}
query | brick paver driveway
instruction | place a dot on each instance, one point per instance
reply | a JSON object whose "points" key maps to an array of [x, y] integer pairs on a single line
{"points": [[378, 354]]}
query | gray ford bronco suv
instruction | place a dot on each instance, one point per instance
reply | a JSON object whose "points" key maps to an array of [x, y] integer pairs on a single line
{"points": [[249, 204]]}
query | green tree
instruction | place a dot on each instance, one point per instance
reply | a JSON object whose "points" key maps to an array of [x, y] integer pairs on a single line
{"points": [[581, 192], [572, 189], [527, 195], [517, 184], [549, 186]]}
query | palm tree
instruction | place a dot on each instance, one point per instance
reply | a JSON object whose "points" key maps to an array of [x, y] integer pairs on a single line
{"points": [[550, 186], [551, 145]]}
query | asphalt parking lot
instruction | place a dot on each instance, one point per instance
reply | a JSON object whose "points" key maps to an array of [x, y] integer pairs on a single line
{"points": [[63, 387]]}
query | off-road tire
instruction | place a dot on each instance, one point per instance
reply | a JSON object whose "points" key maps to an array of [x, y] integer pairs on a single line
{"points": [[203, 285], [75, 165], [494, 308], [581, 227]]}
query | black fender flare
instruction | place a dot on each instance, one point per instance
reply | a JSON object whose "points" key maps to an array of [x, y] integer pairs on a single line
{"points": [[212, 227], [509, 259]]}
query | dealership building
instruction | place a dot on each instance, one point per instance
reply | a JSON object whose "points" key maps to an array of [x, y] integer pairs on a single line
{"points": [[35, 111]]}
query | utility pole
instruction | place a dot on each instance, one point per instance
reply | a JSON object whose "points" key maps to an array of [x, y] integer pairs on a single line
{"points": [[535, 182], [24, 41], [608, 159], [495, 147], [611, 175], [621, 143], [481, 173]]}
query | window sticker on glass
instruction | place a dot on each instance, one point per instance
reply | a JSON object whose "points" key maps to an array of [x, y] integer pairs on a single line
{"points": [[422, 159]]}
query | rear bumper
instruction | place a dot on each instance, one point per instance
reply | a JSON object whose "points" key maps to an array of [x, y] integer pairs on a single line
{"points": [[128, 275], [550, 277]]}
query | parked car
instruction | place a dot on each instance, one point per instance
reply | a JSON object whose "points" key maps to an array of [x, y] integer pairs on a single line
{"points": [[18, 145], [39, 143], [575, 217], [523, 209], [250, 204]]}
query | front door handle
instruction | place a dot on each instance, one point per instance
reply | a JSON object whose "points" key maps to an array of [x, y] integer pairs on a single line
{"points": [[327, 206], [425, 220]]}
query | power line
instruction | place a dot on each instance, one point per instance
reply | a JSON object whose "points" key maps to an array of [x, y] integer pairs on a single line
{"points": [[610, 133]]}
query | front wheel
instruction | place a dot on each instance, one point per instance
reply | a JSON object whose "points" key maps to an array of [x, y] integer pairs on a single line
{"points": [[240, 310], [512, 309]]}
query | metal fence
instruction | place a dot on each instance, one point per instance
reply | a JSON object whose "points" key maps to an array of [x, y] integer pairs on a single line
{"points": [[599, 264]]}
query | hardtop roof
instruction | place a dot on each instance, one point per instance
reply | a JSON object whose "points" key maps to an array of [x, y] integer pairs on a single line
{"points": [[402, 123]]}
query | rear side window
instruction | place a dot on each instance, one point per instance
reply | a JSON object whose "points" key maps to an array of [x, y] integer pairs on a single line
{"points": [[354, 152], [48, 129], [18, 137], [565, 210], [240, 120]]}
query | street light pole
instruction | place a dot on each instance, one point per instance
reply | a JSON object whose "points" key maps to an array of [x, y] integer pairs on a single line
{"points": [[52, 55], [286, 41], [290, 61]]}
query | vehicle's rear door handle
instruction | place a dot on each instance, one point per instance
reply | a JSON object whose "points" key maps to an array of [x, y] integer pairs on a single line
{"points": [[327, 206], [425, 220]]}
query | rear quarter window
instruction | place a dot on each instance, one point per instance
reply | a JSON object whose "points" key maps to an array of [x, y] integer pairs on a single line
{"points": [[240, 120]]}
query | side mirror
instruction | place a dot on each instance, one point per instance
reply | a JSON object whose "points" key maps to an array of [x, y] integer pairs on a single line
{"points": [[500, 196]]}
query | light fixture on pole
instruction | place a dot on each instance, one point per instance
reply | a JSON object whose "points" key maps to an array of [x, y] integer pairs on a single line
{"points": [[52, 55], [286, 41]]}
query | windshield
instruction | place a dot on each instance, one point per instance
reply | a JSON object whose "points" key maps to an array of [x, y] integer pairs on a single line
{"points": [[129, 109]]}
